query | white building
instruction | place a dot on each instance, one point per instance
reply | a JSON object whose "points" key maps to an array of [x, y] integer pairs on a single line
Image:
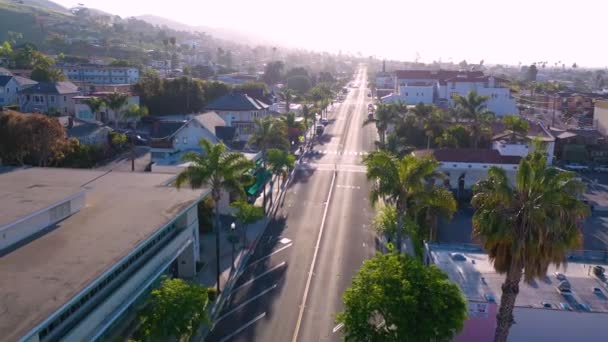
{"points": [[81, 248], [10, 86], [385, 80], [171, 139], [542, 312], [600, 116], [101, 74], [240, 110], [440, 86]]}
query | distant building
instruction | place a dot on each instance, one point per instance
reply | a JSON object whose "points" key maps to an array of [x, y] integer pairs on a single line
{"points": [[600, 116], [171, 139], [81, 249], [10, 86], [237, 78], [542, 311], [89, 133], [82, 111], [439, 87], [240, 110], [101, 74], [49, 98]]}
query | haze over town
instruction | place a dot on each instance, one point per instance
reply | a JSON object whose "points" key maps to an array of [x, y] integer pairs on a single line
{"points": [[500, 32]]}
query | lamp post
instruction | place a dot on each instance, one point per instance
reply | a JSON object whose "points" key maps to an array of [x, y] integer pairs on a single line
{"points": [[232, 238]]}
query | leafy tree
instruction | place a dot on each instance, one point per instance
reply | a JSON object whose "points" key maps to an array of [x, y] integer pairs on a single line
{"points": [[273, 72], [515, 123], [214, 90], [301, 84], [280, 162], [219, 170], [474, 108], [326, 77], [407, 184], [288, 96], [527, 226], [95, 104], [246, 214], [297, 71], [43, 69], [175, 310], [6, 50], [531, 73], [385, 221], [268, 133], [202, 71], [173, 96], [397, 298], [294, 128], [456, 136]]}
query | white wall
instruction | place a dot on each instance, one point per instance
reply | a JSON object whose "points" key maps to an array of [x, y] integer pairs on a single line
{"points": [[558, 326], [8, 93], [417, 94], [600, 115], [188, 137], [474, 172], [499, 99]]}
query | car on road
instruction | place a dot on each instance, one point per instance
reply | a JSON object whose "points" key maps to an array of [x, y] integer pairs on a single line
{"points": [[324, 121], [601, 168], [576, 167], [320, 128], [370, 115]]}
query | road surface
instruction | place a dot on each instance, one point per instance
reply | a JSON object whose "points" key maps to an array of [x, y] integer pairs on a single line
{"points": [[292, 288]]}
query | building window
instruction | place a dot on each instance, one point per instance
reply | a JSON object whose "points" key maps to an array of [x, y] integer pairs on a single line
{"points": [[52, 99], [65, 98], [185, 140]]}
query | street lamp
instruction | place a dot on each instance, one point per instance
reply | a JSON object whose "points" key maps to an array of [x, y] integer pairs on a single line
{"points": [[232, 238]]}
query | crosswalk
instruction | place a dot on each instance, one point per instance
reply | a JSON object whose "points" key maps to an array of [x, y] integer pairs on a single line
{"points": [[344, 153]]}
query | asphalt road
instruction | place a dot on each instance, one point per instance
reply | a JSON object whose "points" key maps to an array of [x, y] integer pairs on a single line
{"points": [[292, 288]]}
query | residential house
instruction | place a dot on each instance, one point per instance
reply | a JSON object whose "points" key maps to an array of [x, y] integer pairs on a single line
{"points": [[10, 86], [105, 115], [100, 74], [240, 110], [89, 133], [169, 140], [509, 143], [583, 145], [49, 97]]}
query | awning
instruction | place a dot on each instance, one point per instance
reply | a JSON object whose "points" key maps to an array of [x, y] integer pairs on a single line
{"points": [[262, 176]]}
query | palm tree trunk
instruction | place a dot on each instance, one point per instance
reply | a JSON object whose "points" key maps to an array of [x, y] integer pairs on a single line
{"points": [[217, 241], [399, 238], [510, 289]]}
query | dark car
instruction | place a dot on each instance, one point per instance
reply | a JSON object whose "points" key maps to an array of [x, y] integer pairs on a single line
{"points": [[136, 139]]}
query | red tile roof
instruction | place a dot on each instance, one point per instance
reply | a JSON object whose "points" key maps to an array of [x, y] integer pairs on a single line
{"points": [[469, 155]]}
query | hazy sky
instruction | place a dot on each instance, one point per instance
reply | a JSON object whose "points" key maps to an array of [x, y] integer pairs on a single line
{"points": [[506, 31]]}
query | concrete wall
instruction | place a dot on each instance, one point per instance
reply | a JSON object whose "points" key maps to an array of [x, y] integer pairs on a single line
{"points": [[108, 311], [29, 225], [417, 94], [473, 172]]}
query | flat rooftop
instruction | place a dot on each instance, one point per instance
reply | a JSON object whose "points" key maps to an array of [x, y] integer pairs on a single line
{"points": [[477, 279], [122, 210]]}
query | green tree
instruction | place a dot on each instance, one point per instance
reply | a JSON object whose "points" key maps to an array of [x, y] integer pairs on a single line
{"points": [[288, 96], [527, 226], [397, 298], [135, 113], [386, 114], [531, 73], [300, 84], [385, 220], [268, 133], [219, 170], [247, 214], [456, 136], [43, 69], [280, 162], [406, 183], [515, 123], [473, 107], [214, 90], [95, 104], [294, 128], [115, 102], [273, 72], [6, 50], [175, 310]]}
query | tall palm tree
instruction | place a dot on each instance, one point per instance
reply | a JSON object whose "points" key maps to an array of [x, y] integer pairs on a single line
{"points": [[280, 163], [527, 226], [95, 104], [386, 114], [474, 108], [268, 133], [307, 114], [134, 112], [216, 169], [294, 128], [406, 183], [288, 96], [115, 102]]}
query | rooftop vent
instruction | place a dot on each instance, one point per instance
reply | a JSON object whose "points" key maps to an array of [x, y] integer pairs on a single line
{"points": [[458, 257]]}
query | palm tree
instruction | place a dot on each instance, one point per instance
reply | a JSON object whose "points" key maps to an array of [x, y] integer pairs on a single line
{"points": [[406, 183], [287, 95], [268, 133], [431, 119], [95, 104], [527, 226], [115, 102], [280, 163], [134, 112], [294, 128], [219, 170], [386, 114], [306, 113], [473, 107]]}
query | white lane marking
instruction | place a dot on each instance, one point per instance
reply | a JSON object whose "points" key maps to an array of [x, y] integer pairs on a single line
{"points": [[312, 264], [246, 302], [238, 331], [269, 255], [338, 327], [250, 281], [285, 241]]}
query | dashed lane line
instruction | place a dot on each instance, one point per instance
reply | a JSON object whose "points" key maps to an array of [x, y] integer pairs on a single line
{"points": [[245, 303], [249, 282], [239, 330]]}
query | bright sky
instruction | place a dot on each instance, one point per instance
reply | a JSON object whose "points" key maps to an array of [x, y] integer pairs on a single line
{"points": [[505, 31]]}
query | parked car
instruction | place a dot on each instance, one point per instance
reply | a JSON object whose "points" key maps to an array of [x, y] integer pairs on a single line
{"points": [[324, 121], [370, 115], [576, 167], [320, 128], [136, 139], [601, 168]]}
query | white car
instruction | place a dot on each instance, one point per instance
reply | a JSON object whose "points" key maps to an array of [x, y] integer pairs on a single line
{"points": [[601, 168], [576, 167], [324, 121]]}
